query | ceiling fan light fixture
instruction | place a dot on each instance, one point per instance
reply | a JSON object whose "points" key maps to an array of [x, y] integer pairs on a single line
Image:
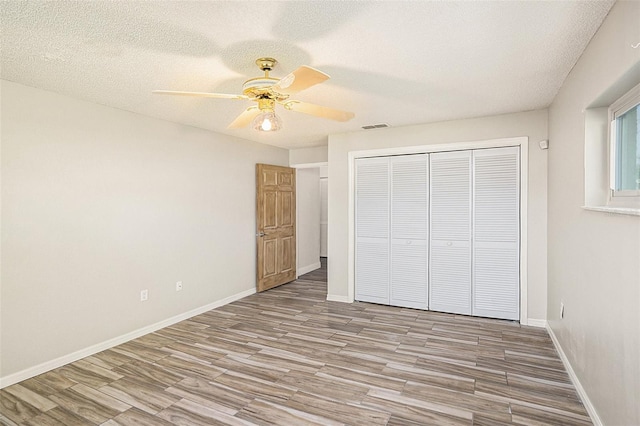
{"points": [[267, 121]]}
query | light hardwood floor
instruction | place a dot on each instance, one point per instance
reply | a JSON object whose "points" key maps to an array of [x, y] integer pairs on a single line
{"points": [[289, 357]]}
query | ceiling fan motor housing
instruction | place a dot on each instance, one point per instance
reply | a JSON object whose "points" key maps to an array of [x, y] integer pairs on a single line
{"points": [[262, 87]]}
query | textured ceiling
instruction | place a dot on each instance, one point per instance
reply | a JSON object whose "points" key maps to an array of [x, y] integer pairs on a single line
{"points": [[399, 63]]}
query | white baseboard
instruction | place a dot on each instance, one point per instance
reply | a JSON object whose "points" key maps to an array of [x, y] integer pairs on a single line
{"points": [[574, 379], [534, 322], [94, 349], [306, 269], [336, 298]]}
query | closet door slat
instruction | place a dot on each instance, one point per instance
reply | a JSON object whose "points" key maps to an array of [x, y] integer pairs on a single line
{"points": [[372, 230], [450, 245], [496, 258], [409, 231]]}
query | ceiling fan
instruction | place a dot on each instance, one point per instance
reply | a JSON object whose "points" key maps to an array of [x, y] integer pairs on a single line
{"points": [[267, 91]]}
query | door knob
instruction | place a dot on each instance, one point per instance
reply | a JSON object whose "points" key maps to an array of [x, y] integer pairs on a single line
{"points": [[260, 234]]}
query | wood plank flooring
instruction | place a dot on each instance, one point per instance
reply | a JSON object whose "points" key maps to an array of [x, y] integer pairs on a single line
{"points": [[289, 357]]}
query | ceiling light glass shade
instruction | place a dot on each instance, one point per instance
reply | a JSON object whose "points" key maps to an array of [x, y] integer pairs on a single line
{"points": [[267, 121]]}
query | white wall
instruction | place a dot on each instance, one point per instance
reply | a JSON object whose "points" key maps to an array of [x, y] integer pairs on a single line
{"points": [[313, 155], [98, 204], [532, 124], [594, 257], [308, 219]]}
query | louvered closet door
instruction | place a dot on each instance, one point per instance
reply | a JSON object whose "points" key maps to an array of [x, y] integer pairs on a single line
{"points": [[409, 230], [450, 251], [372, 230], [496, 257]]}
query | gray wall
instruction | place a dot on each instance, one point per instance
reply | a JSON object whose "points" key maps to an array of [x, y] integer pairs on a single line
{"points": [[531, 124], [98, 204], [594, 257], [308, 219]]}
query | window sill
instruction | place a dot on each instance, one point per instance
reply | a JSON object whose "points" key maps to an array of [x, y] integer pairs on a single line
{"points": [[616, 210]]}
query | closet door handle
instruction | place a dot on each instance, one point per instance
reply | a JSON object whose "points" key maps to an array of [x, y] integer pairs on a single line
{"points": [[260, 234]]}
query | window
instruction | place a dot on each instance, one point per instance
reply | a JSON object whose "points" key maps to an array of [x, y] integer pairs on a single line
{"points": [[625, 149]]}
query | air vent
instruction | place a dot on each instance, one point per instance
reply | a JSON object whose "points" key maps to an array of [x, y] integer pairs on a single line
{"points": [[375, 126]]}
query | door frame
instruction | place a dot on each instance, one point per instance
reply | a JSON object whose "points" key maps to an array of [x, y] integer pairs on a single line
{"points": [[521, 141]]}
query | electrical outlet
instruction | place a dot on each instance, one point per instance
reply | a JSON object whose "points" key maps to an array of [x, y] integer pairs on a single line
{"points": [[179, 286], [561, 310], [144, 295]]}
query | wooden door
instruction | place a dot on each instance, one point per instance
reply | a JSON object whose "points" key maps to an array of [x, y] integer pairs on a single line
{"points": [[276, 225]]}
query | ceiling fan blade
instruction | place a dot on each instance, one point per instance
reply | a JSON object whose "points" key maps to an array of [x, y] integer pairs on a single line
{"points": [[244, 119], [302, 78], [201, 94], [318, 111]]}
